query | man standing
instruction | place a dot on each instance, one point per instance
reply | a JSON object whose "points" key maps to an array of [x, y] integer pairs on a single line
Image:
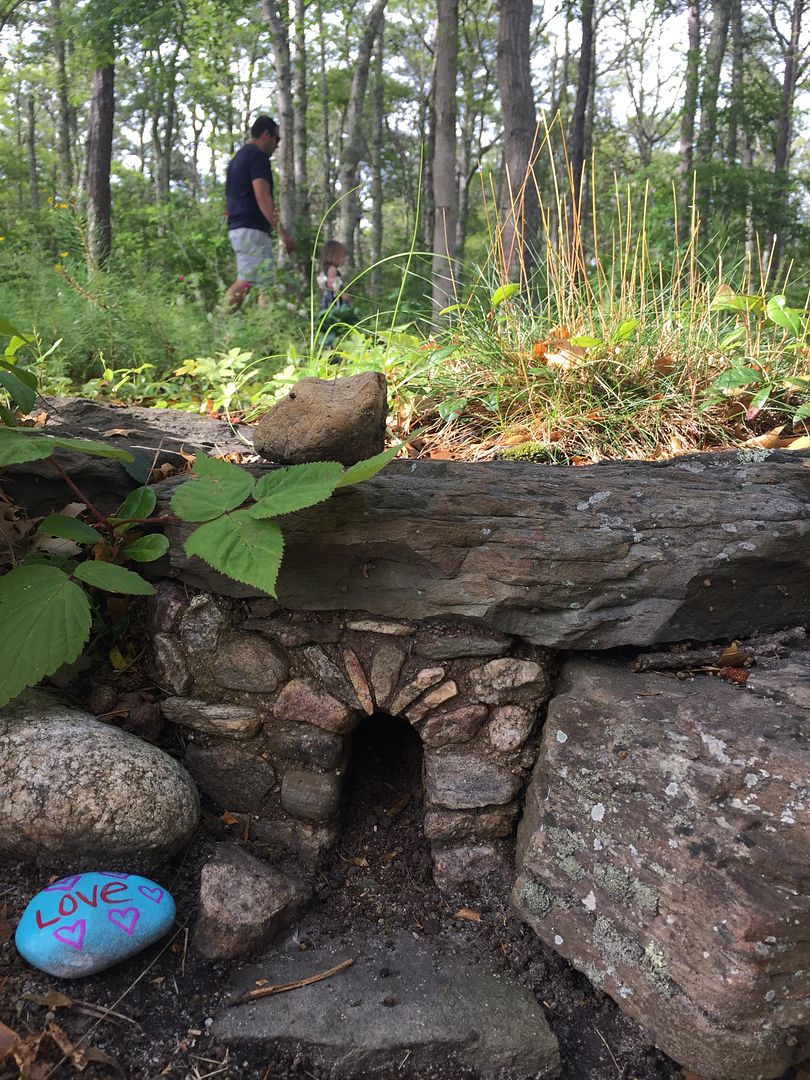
{"points": [[252, 212]]}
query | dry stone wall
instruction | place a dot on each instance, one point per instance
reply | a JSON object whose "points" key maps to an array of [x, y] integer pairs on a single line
{"points": [[268, 700]]}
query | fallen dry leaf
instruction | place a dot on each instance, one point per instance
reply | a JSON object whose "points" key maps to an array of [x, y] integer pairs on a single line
{"points": [[399, 805], [101, 1057], [468, 915], [354, 860], [111, 433], [6, 929], [230, 819], [732, 655], [8, 1041], [802, 443], [74, 1052], [52, 999]]}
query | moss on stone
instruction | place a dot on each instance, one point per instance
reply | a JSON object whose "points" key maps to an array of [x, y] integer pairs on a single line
{"points": [[625, 889], [536, 897], [540, 453], [614, 946]]}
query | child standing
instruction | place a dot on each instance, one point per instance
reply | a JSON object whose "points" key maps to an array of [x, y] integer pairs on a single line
{"points": [[330, 282]]}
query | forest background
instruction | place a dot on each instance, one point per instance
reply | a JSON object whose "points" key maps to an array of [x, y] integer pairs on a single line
{"points": [[547, 207]]}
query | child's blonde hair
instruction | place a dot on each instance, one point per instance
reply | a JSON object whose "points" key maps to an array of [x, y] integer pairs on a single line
{"points": [[334, 253]]}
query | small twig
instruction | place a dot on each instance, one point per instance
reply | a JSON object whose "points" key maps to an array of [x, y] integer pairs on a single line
{"points": [[403, 1061], [103, 1012], [280, 988], [81, 496], [607, 1047]]}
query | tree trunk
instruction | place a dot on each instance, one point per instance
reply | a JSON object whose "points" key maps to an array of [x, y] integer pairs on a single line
{"points": [[98, 163], [738, 58], [278, 19], [328, 185], [63, 141], [377, 129], [445, 189], [300, 141], [349, 213], [784, 132], [690, 101], [576, 144], [519, 203], [31, 147], [428, 153], [715, 52]]}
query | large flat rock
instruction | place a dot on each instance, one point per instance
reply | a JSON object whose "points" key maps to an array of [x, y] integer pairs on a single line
{"points": [[664, 852], [397, 1003], [623, 553]]}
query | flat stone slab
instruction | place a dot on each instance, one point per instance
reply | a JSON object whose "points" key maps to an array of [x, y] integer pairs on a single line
{"points": [[398, 1003]]}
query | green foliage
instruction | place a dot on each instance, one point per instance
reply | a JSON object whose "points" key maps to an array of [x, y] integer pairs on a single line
{"points": [[242, 547]]}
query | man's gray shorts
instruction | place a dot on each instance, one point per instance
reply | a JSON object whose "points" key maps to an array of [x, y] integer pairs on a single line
{"points": [[255, 255]]}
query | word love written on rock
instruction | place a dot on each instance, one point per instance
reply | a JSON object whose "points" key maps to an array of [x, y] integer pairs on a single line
{"points": [[88, 922]]}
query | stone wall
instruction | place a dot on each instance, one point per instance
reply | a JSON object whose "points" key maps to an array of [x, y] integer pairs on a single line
{"points": [[267, 700]]}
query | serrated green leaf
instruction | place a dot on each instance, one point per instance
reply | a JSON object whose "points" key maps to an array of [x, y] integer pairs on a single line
{"points": [[68, 528], [219, 487], [295, 487], [364, 470], [138, 504], [147, 548], [241, 547], [502, 293], [112, 578], [625, 330], [17, 447], [45, 621], [26, 376], [788, 318], [584, 341]]}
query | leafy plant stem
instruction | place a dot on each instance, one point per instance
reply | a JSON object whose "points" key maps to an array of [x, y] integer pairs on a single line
{"points": [[100, 518]]}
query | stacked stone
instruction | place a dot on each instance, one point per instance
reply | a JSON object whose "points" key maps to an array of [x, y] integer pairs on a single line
{"points": [[269, 699]]}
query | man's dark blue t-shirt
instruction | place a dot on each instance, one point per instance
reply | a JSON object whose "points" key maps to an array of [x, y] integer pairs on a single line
{"points": [[247, 165]]}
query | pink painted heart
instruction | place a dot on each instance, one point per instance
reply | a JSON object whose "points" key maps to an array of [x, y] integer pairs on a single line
{"points": [[109, 873], [155, 894], [72, 935], [125, 920], [65, 885]]}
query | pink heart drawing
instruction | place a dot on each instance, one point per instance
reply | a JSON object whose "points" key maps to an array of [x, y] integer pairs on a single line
{"points": [[109, 873], [155, 894], [65, 885], [72, 935], [119, 918]]}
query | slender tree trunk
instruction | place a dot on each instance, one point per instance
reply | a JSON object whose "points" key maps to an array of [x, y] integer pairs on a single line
{"points": [[328, 185], [377, 130], [98, 164], [464, 166], [688, 115], [300, 125], [429, 154], [352, 152], [519, 204], [715, 52], [576, 144], [251, 78], [784, 130], [445, 189], [277, 17], [62, 102], [31, 147], [735, 102]]}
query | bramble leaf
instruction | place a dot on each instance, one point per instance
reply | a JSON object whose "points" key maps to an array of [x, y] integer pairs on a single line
{"points": [[294, 487], [138, 504], [218, 486], [364, 470], [112, 578], [16, 447], [241, 547], [68, 528], [46, 622], [147, 548]]}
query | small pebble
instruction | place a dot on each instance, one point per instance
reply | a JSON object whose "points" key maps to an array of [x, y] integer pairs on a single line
{"points": [[389, 1000]]}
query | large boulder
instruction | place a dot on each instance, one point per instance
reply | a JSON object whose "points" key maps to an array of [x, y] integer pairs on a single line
{"points": [[663, 851], [326, 420], [74, 787]]}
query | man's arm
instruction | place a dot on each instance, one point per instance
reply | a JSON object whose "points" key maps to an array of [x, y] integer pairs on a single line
{"points": [[261, 189]]}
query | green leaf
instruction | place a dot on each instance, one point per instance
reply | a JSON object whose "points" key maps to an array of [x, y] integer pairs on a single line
{"points": [[7, 417], [293, 488], [7, 328], [17, 447], [788, 318], [625, 330], [88, 446], [112, 578], [737, 302], [241, 547], [69, 528], [736, 377], [451, 307], [734, 337], [586, 342], [138, 504], [802, 412], [44, 623], [147, 548], [443, 353], [798, 382], [503, 293], [452, 408], [364, 470], [220, 487]]}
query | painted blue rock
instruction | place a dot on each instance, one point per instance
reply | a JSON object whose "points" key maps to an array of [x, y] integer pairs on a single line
{"points": [[88, 922]]}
